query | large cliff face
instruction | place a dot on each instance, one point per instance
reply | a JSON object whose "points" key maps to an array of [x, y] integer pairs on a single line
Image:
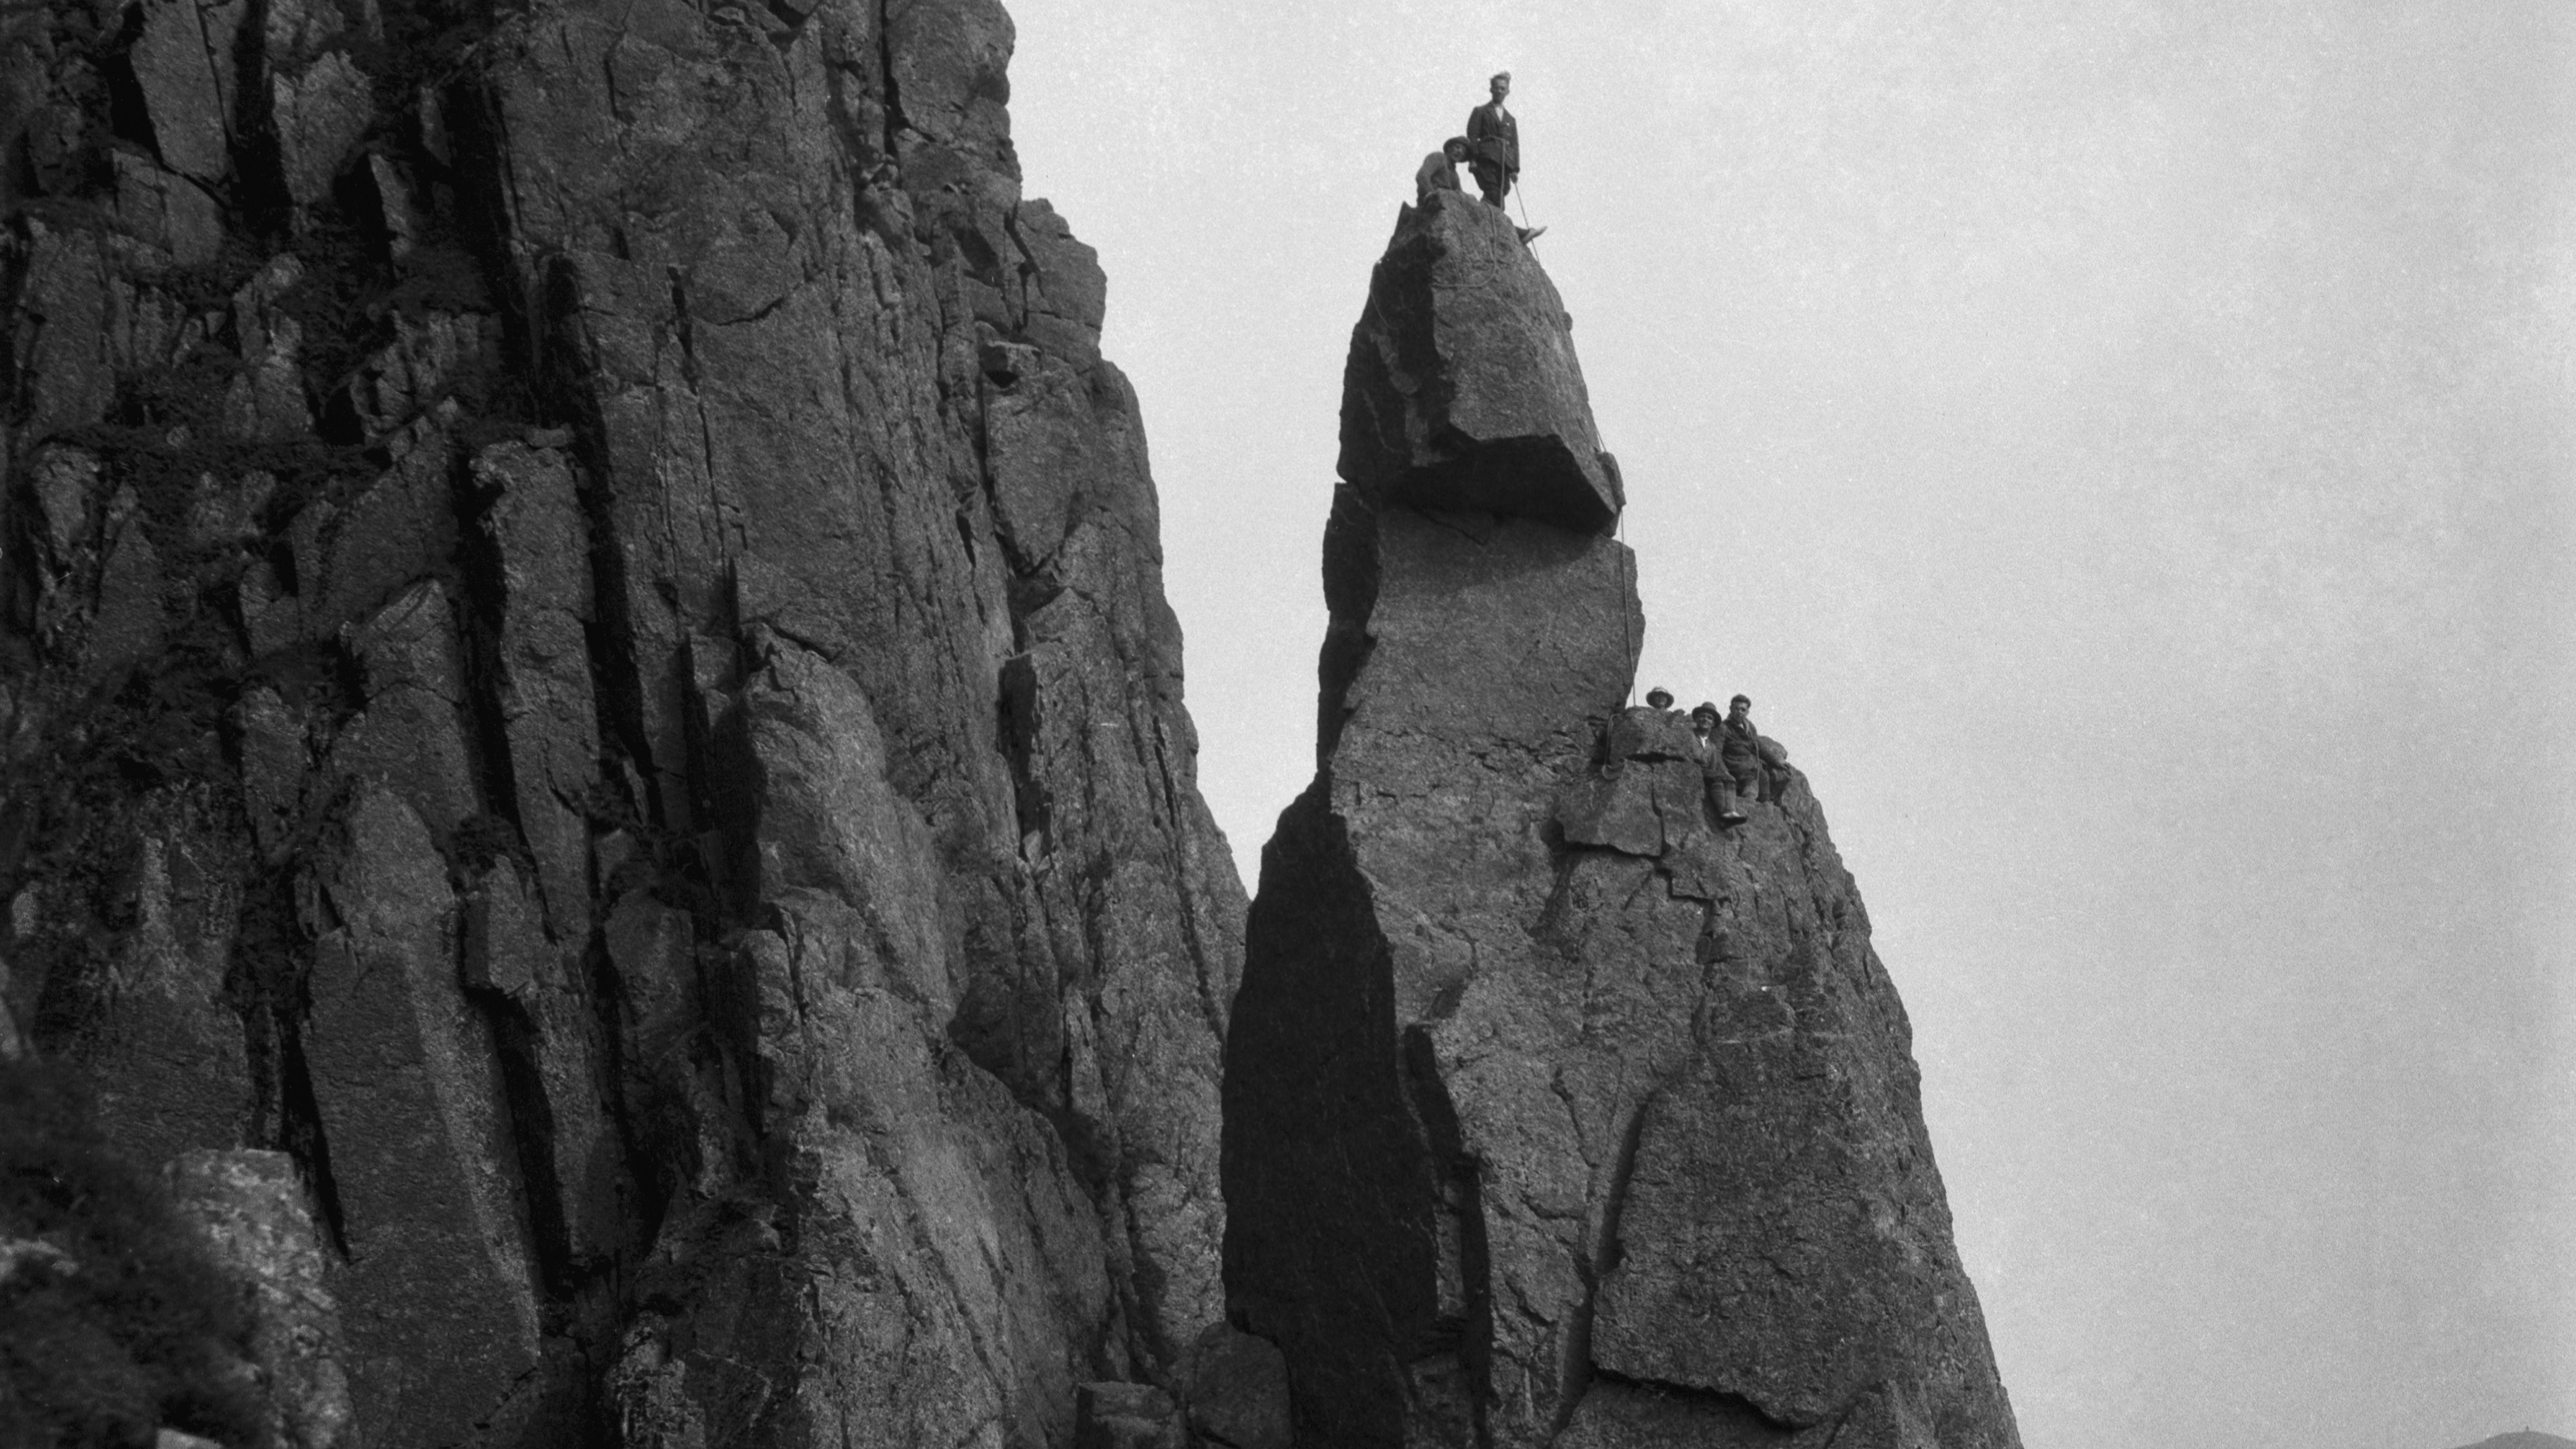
{"points": [[584, 657], [594, 759], [1556, 1112]]}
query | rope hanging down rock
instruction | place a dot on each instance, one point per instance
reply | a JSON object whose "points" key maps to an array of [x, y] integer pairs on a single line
{"points": [[1627, 585]]}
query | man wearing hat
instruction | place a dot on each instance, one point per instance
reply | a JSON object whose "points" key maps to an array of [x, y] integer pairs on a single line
{"points": [[1713, 763], [1439, 170]]}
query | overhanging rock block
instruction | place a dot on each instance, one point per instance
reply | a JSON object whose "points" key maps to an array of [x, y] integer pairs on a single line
{"points": [[1462, 390]]}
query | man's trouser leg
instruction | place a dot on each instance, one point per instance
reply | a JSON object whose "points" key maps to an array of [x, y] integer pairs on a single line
{"points": [[1490, 180], [1731, 799]]}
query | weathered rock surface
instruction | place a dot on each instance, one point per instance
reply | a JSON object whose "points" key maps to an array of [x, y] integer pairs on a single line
{"points": [[1554, 1113], [256, 1213], [582, 657], [1462, 390], [1237, 1391]]}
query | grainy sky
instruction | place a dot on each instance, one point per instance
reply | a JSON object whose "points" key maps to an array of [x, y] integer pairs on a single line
{"points": [[2127, 449]]}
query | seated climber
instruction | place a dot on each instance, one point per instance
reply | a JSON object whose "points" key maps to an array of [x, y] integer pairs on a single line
{"points": [[1759, 765], [1715, 777], [1439, 170], [1659, 698]]}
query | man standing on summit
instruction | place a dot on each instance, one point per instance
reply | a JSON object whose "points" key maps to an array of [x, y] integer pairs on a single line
{"points": [[1494, 142]]}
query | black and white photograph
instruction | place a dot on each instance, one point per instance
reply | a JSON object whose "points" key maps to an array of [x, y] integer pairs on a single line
{"points": [[1110, 724]]}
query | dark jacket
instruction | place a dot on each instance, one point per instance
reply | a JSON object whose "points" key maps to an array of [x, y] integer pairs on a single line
{"points": [[1739, 747], [1494, 137], [1434, 174], [1712, 763]]}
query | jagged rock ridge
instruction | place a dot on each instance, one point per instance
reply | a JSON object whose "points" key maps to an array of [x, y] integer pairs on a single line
{"points": [[585, 662], [1554, 1114]]}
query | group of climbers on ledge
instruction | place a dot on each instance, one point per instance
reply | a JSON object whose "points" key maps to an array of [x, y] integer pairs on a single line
{"points": [[1737, 761], [1492, 150]]}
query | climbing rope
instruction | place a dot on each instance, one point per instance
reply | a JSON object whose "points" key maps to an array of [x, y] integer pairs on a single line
{"points": [[1627, 585]]}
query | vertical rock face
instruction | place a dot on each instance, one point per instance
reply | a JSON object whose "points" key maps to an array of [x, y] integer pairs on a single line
{"points": [[582, 655], [1554, 1113]]}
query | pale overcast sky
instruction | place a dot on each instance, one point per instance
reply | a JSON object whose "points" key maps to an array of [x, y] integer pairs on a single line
{"points": [[2127, 448]]}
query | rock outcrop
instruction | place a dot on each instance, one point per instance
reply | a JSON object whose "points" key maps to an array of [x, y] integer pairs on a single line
{"points": [[1462, 390], [584, 663], [253, 1211], [1555, 1114]]}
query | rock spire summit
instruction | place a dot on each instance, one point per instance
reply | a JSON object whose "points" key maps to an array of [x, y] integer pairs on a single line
{"points": [[1555, 1115]]}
